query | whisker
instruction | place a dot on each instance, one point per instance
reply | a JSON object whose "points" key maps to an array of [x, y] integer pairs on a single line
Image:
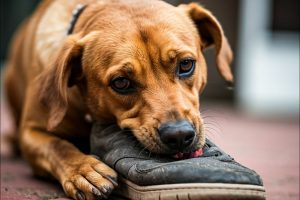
{"points": [[145, 148], [212, 129], [214, 125]]}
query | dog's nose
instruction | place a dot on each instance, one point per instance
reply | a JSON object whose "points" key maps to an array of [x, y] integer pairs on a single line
{"points": [[177, 135]]}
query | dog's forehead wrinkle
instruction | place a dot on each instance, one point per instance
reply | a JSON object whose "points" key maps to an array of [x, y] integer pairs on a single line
{"points": [[166, 46], [154, 40]]}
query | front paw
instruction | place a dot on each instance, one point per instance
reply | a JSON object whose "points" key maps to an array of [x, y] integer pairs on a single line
{"points": [[88, 178]]}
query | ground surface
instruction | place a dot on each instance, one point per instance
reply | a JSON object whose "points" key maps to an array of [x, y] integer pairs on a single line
{"points": [[269, 147]]}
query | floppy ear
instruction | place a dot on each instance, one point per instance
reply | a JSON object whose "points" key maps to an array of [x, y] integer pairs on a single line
{"points": [[64, 72], [211, 33]]}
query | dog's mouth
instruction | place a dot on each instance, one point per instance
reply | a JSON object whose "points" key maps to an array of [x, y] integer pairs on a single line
{"points": [[193, 154]]}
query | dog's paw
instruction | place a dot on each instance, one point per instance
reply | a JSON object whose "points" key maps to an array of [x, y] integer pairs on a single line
{"points": [[88, 178]]}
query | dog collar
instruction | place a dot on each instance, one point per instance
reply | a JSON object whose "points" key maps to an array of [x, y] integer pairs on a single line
{"points": [[75, 15]]}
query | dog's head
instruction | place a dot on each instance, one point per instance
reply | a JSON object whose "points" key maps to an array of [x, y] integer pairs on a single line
{"points": [[141, 65]]}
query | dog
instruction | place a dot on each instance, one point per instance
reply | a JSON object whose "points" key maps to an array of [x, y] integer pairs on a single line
{"points": [[136, 63]]}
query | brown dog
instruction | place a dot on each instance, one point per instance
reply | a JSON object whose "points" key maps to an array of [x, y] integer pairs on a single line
{"points": [[137, 63]]}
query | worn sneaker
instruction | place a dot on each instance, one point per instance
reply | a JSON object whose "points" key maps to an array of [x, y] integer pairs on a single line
{"points": [[142, 175]]}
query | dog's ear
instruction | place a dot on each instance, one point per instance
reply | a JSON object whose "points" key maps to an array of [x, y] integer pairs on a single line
{"points": [[211, 33], [63, 72]]}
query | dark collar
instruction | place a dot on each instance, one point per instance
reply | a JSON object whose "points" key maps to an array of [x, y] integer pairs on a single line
{"points": [[75, 15]]}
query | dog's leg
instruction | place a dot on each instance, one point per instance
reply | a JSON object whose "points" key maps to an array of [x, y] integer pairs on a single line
{"points": [[82, 176]]}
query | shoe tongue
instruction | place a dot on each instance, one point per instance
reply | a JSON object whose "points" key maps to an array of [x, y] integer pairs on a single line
{"points": [[193, 154]]}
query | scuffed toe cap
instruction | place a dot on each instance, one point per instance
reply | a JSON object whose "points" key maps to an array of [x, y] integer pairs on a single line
{"points": [[122, 152]]}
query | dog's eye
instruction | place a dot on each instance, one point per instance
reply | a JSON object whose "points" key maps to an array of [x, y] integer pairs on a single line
{"points": [[122, 85], [186, 68]]}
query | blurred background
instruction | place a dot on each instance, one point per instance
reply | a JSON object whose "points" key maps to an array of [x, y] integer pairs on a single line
{"points": [[258, 121]]}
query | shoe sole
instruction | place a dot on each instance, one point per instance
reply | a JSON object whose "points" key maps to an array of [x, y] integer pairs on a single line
{"points": [[190, 191]]}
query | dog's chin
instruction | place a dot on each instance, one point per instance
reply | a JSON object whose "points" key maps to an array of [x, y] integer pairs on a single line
{"points": [[194, 150], [193, 147]]}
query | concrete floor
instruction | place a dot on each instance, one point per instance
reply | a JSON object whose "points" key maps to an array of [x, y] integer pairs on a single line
{"points": [[270, 147]]}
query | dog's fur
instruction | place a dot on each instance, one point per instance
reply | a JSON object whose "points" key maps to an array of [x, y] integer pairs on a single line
{"points": [[53, 80]]}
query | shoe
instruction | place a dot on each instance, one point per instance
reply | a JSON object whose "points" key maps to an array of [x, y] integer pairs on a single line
{"points": [[142, 175]]}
